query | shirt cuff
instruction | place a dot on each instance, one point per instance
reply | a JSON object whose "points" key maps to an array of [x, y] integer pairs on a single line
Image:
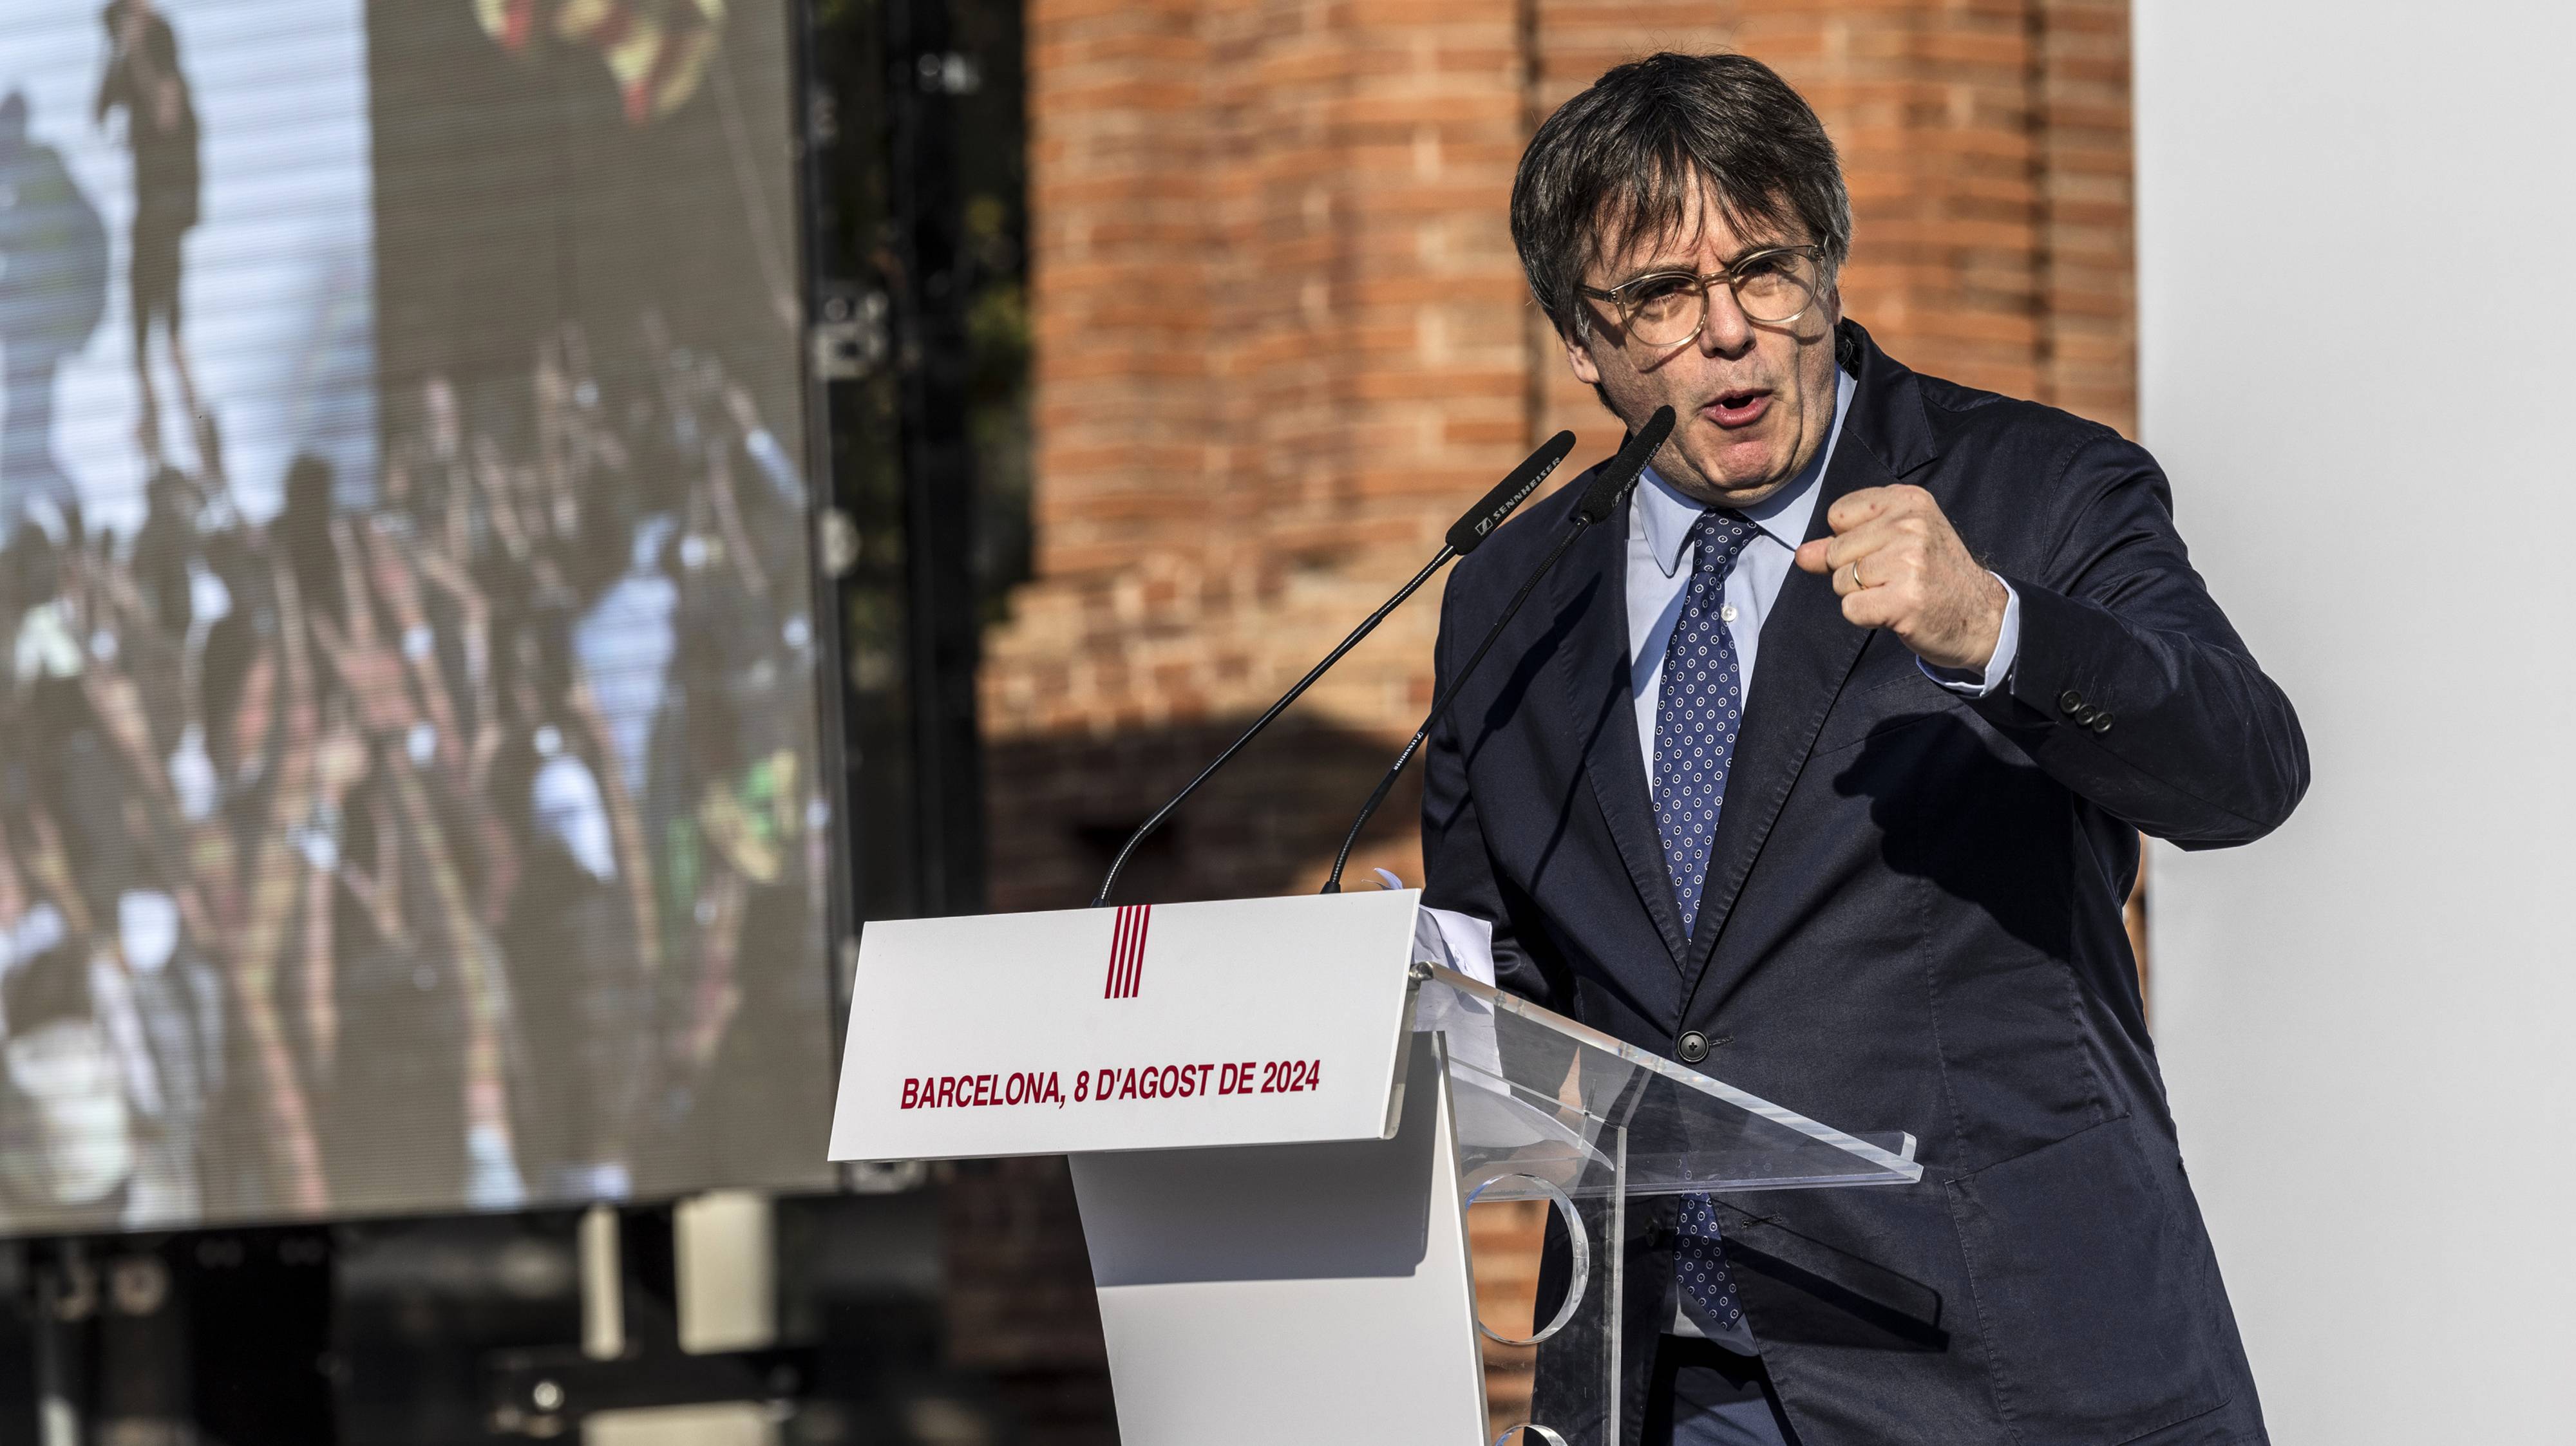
{"points": [[1969, 682]]}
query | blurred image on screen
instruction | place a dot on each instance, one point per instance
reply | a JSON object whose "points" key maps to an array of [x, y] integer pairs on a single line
{"points": [[408, 790]]}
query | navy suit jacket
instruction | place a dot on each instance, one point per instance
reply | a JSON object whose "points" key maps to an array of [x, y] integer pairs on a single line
{"points": [[1912, 921]]}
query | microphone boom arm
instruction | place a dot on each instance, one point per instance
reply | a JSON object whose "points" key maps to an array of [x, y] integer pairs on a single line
{"points": [[1464, 536], [1600, 502], [1110, 881], [1440, 705]]}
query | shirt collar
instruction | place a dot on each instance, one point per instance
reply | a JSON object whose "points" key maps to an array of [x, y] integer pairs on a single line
{"points": [[1663, 516]]}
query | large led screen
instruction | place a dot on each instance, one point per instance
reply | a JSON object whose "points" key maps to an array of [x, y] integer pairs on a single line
{"points": [[408, 787]]}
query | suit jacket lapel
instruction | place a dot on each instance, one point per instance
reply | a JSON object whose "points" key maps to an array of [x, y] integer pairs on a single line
{"points": [[1595, 674], [1807, 649]]}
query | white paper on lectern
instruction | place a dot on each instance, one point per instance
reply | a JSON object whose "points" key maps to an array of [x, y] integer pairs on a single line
{"points": [[1261, 1021], [1461, 941]]}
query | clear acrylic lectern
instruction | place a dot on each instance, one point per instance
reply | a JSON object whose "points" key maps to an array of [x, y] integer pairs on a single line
{"points": [[1546, 1109]]}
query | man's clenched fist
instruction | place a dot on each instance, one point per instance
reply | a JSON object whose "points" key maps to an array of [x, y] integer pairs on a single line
{"points": [[1898, 565]]}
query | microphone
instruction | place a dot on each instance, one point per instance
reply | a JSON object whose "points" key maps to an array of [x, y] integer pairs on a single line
{"points": [[1601, 501], [1464, 536]]}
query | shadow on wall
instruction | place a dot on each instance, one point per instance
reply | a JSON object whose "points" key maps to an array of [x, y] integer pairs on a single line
{"points": [[1268, 824], [1017, 1295]]}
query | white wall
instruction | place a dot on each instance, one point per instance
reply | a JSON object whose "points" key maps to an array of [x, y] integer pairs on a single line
{"points": [[2357, 240]]}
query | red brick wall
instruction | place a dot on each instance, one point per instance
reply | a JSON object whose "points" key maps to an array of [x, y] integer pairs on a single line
{"points": [[1278, 341], [1282, 339]]}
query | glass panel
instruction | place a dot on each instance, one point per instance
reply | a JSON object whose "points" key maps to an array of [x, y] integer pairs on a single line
{"points": [[1551, 1112], [1550, 1280], [1538, 1094]]}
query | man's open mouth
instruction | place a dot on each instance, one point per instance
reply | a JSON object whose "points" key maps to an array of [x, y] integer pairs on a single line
{"points": [[1738, 408]]}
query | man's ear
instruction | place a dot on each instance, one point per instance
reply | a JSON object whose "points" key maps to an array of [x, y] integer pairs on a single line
{"points": [[1578, 355]]}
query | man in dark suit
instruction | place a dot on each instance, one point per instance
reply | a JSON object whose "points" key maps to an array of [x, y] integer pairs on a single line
{"points": [[1825, 774]]}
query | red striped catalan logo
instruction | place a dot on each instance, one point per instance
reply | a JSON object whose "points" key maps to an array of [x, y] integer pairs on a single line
{"points": [[1127, 951]]}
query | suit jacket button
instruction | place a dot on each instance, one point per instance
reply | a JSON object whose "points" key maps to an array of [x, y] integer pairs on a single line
{"points": [[2085, 715], [2101, 723], [1692, 1047], [2069, 701]]}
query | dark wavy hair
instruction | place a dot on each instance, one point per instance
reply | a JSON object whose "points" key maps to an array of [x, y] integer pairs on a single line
{"points": [[1619, 160]]}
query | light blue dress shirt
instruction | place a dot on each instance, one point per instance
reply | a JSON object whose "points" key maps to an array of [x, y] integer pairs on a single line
{"points": [[1659, 573]]}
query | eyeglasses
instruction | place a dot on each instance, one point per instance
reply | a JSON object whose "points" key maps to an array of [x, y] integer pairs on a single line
{"points": [[1666, 308]]}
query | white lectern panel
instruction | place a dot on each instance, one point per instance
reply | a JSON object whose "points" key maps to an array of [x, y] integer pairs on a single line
{"points": [[1164, 1026], [1293, 1294]]}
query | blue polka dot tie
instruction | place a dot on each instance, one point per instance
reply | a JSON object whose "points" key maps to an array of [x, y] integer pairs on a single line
{"points": [[1698, 710], [1696, 716], [1699, 1262]]}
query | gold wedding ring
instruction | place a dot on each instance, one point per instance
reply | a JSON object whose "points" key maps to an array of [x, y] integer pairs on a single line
{"points": [[1856, 584]]}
